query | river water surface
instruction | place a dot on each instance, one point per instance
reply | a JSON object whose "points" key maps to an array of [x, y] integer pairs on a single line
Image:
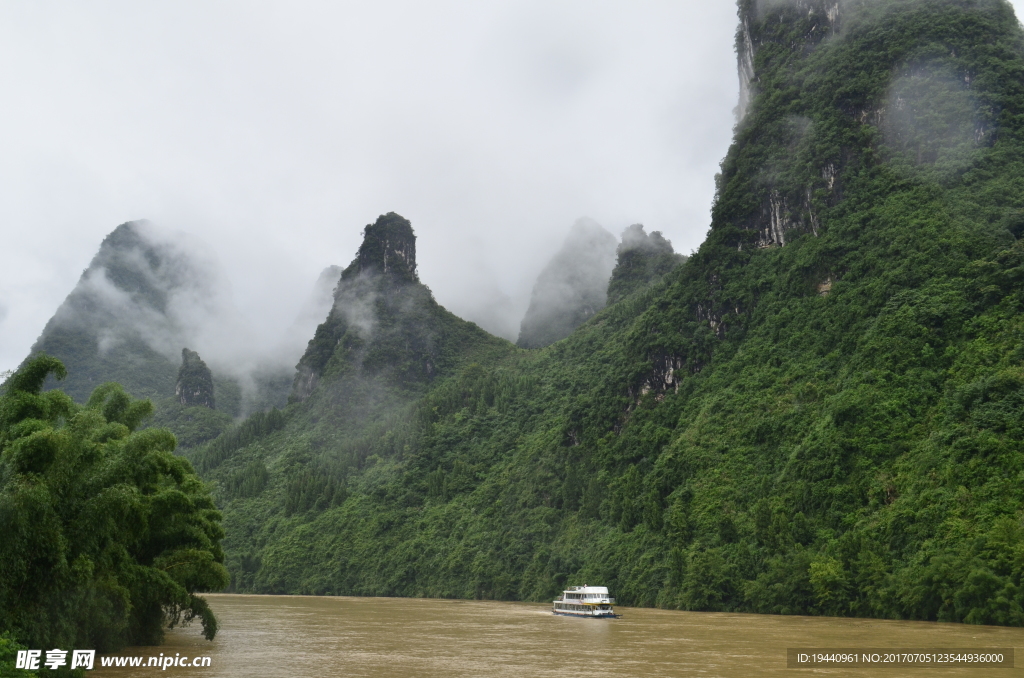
{"points": [[414, 638]]}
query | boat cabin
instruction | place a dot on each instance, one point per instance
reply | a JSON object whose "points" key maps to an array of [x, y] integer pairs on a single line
{"points": [[585, 601]]}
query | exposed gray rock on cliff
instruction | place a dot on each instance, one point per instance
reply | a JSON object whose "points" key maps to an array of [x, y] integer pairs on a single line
{"points": [[823, 18]]}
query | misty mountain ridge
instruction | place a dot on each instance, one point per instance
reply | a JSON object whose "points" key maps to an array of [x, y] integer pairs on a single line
{"points": [[384, 320], [126, 310], [149, 296], [641, 259], [572, 287]]}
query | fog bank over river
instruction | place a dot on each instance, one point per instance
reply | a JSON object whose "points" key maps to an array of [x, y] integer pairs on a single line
{"points": [[271, 636]]}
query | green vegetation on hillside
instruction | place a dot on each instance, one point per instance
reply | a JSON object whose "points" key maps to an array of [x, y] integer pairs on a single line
{"points": [[820, 412], [107, 535]]}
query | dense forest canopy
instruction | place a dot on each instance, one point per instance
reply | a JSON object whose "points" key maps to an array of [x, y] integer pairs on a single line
{"points": [[107, 535]]}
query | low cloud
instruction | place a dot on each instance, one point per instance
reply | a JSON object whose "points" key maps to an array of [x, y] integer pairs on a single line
{"points": [[932, 120], [356, 300]]}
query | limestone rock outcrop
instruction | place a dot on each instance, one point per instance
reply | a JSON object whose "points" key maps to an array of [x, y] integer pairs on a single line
{"points": [[195, 381]]}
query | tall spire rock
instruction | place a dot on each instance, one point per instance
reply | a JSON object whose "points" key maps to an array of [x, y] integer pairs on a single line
{"points": [[389, 248], [383, 322], [195, 381]]}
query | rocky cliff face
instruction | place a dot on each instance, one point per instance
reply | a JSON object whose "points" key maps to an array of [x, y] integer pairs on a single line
{"points": [[571, 288], [773, 38], [810, 132], [194, 387], [922, 108], [820, 18]]}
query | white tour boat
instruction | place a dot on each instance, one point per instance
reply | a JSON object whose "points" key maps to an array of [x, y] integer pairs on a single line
{"points": [[585, 601]]}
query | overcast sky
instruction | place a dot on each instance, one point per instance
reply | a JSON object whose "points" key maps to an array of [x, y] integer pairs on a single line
{"points": [[274, 131]]}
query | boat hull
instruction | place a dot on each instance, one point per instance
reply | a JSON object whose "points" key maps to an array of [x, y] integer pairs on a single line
{"points": [[584, 615]]}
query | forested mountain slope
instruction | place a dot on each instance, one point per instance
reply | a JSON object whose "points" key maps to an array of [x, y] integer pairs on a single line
{"points": [[820, 412]]}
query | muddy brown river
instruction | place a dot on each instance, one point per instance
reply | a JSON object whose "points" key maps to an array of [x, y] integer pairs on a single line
{"points": [[405, 638]]}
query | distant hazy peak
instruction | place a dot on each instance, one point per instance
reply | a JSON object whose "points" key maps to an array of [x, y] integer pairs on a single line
{"points": [[129, 314], [149, 265], [585, 227], [132, 262], [389, 247], [572, 287], [128, 234]]}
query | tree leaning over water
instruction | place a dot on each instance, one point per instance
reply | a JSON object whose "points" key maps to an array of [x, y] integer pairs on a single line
{"points": [[107, 535]]}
